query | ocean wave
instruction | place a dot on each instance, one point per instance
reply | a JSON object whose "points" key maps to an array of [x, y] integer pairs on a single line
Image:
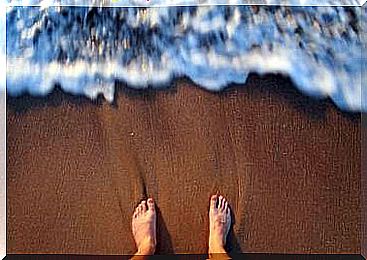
{"points": [[150, 3], [87, 49]]}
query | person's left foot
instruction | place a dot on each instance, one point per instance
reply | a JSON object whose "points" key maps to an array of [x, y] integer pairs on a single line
{"points": [[144, 227], [219, 224]]}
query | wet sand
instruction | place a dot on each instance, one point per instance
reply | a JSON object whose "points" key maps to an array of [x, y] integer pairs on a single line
{"points": [[2, 174], [289, 165], [364, 186]]}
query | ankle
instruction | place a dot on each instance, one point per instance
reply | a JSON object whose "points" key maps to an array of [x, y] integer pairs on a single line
{"points": [[216, 249], [146, 251], [147, 247]]}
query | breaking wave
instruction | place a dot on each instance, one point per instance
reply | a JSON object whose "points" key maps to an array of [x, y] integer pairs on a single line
{"points": [[87, 49]]}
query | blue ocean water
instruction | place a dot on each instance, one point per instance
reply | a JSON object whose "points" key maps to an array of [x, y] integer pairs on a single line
{"points": [[87, 49]]}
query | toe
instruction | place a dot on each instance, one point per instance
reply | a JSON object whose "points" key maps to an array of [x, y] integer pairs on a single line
{"points": [[136, 211], [144, 206], [213, 201], [140, 209], [225, 206], [224, 201], [151, 204], [220, 202]]}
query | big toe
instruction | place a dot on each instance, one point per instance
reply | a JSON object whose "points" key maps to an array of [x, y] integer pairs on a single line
{"points": [[213, 201], [151, 205]]}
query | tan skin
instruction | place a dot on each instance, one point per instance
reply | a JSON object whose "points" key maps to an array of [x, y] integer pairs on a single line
{"points": [[144, 227]]}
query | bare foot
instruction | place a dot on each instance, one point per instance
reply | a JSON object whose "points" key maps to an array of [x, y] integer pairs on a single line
{"points": [[219, 224], [144, 227]]}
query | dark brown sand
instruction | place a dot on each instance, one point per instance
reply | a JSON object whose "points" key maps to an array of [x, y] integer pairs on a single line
{"points": [[289, 165], [364, 186], [2, 173]]}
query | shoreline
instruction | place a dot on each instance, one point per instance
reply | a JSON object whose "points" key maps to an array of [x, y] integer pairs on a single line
{"points": [[286, 92]]}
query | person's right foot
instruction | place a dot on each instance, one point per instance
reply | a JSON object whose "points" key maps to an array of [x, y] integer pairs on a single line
{"points": [[219, 224], [144, 227]]}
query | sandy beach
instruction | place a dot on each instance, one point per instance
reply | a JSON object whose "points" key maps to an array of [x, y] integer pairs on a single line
{"points": [[290, 166]]}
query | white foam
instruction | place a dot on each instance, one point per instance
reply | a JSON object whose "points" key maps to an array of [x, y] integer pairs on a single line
{"points": [[144, 3], [213, 45], [2, 47]]}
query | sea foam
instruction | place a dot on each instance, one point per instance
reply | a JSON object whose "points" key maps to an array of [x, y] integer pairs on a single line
{"points": [[87, 49]]}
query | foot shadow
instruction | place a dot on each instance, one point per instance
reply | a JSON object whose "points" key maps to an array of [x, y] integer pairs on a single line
{"points": [[233, 246], [164, 240]]}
